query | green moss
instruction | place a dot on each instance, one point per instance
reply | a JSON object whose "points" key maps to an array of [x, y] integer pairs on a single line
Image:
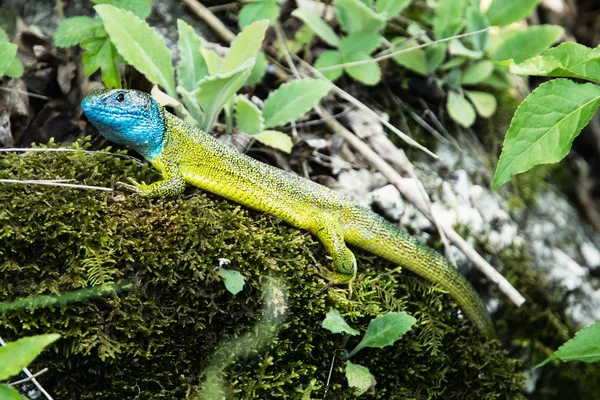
{"points": [[156, 339]]}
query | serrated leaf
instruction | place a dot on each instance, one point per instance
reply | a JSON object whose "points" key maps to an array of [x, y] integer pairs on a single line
{"points": [[317, 25], [277, 140], [73, 30], [477, 72], [101, 53], [139, 45], [233, 280], [9, 393], [213, 61], [364, 42], [330, 58], [7, 54], [14, 69], [245, 46], [253, 12], [335, 323], [291, 100], [368, 74], [140, 9], [258, 71], [460, 109], [476, 21], [17, 355], [413, 60], [585, 346], [485, 103], [545, 125], [448, 19], [528, 43], [385, 330], [569, 59], [249, 118], [192, 66], [391, 7], [358, 377], [504, 12], [355, 16]]}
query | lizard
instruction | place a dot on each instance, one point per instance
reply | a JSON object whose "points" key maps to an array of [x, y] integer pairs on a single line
{"points": [[183, 154]]}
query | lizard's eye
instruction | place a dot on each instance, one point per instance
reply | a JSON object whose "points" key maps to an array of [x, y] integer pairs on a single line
{"points": [[120, 97]]}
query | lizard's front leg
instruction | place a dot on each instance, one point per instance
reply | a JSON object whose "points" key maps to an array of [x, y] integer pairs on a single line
{"points": [[172, 184]]}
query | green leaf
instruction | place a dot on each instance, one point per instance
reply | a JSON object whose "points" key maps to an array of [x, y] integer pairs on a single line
{"points": [[249, 118], [334, 322], [485, 103], [291, 100], [73, 30], [355, 16], [3, 36], [192, 66], [17, 355], [413, 60], [213, 61], [385, 330], [504, 12], [368, 3], [567, 59], [258, 71], [448, 19], [364, 42], [477, 72], [140, 9], [476, 21], [7, 54], [245, 46], [358, 377], [545, 125], [139, 45], [460, 109], [585, 346], [101, 53], [14, 69], [191, 105], [233, 280], [528, 43], [497, 80], [435, 56], [330, 58], [368, 74], [457, 48], [264, 10], [317, 25], [391, 7], [10, 393], [275, 139]]}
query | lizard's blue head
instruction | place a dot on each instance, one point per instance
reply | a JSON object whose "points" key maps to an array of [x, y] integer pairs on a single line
{"points": [[127, 117]]}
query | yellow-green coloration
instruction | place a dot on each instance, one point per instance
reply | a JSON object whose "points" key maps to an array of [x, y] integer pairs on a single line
{"points": [[183, 153]]}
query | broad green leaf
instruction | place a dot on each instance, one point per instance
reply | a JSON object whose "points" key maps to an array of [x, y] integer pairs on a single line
{"points": [[334, 322], [358, 377], [391, 7], [504, 12], [457, 48], [567, 59], [545, 125], [249, 118], [139, 45], [291, 100], [318, 26], [191, 104], [498, 80], [101, 53], [277, 140], [477, 72], [364, 42], [215, 90], [413, 60], [258, 71], [264, 10], [485, 103], [73, 30], [368, 74], [330, 58], [233, 280], [355, 16], [17, 355], [245, 46], [453, 63], [460, 109], [385, 330], [476, 21], [192, 66], [140, 9], [14, 69], [528, 43], [167, 101], [453, 79], [213, 61], [435, 56], [7, 54], [448, 19], [585, 346], [3, 36], [10, 393], [368, 3]]}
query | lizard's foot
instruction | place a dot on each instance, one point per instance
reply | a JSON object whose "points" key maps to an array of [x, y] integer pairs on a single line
{"points": [[135, 187]]}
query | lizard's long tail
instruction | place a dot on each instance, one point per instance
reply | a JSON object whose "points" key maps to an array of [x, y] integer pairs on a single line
{"points": [[376, 235]]}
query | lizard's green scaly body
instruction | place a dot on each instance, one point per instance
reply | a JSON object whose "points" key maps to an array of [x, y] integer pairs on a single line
{"points": [[183, 153]]}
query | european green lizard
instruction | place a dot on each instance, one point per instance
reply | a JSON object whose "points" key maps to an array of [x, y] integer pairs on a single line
{"points": [[183, 153]]}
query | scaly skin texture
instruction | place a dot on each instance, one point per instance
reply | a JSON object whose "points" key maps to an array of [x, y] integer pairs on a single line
{"points": [[183, 153]]}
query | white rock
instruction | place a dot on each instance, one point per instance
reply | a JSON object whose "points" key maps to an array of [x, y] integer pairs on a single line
{"points": [[590, 254], [566, 270], [389, 200]]}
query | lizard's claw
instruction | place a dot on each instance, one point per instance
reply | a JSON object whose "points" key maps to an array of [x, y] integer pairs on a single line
{"points": [[134, 187], [334, 279]]}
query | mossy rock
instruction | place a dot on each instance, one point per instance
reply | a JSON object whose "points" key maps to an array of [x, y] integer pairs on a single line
{"points": [[154, 340]]}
